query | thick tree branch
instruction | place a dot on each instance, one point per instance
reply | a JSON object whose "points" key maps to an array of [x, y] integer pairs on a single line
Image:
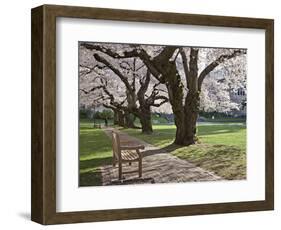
{"points": [[193, 70], [91, 90], [165, 55], [165, 99], [109, 106], [134, 75], [144, 84], [126, 54], [154, 96], [114, 70], [154, 66], [90, 69], [135, 52], [185, 65]]}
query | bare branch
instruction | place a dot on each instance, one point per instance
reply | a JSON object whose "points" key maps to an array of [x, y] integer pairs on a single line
{"points": [[90, 69], [91, 90], [139, 68], [126, 65], [218, 61], [114, 70], [136, 52], [165, 99], [126, 54]]}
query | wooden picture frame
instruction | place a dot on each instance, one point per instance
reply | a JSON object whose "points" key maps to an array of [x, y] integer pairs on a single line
{"points": [[43, 208]]}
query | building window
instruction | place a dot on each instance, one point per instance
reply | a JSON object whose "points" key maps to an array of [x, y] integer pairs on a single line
{"points": [[240, 92]]}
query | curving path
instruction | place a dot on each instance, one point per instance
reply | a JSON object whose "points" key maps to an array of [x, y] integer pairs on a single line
{"points": [[159, 166]]}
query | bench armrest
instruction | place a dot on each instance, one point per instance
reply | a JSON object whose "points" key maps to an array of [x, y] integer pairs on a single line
{"points": [[131, 147]]}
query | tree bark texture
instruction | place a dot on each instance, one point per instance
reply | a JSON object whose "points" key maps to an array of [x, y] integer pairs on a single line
{"points": [[145, 120]]}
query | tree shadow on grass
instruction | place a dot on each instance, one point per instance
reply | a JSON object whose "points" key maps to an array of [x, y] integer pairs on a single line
{"points": [[95, 162], [226, 161], [92, 178], [92, 175], [167, 149], [218, 129], [202, 130], [165, 135]]}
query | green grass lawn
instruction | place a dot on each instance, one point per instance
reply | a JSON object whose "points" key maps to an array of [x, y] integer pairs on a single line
{"points": [[95, 151], [221, 147], [225, 119], [227, 134]]}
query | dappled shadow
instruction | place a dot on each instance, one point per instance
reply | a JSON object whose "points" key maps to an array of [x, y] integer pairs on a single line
{"points": [[95, 162], [90, 178], [218, 129], [169, 132], [167, 149], [224, 160], [89, 149], [171, 147], [164, 137], [150, 152], [148, 180], [93, 175], [86, 127], [158, 159], [157, 168]]}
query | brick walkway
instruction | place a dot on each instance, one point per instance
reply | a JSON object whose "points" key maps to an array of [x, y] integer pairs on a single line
{"points": [[158, 167]]}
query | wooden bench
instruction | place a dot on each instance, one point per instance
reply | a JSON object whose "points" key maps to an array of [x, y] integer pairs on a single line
{"points": [[125, 153]]}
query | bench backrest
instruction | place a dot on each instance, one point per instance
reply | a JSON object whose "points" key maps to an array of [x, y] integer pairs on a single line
{"points": [[116, 145]]}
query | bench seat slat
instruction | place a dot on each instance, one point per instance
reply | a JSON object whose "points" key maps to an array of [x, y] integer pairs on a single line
{"points": [[129, 155]]}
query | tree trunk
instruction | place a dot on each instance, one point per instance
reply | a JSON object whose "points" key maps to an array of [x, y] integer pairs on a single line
{"points": [[121, 121], [185, 113], [186, 127], [175, 92], [129, 121], [190, 117], [180, 138], [145, 120], [105, 122], [115, 117], [191, 105]]}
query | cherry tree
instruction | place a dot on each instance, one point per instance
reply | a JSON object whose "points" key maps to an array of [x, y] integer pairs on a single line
{"points": [[96, 90], [221, 83], [141, 92], [182, 71]]}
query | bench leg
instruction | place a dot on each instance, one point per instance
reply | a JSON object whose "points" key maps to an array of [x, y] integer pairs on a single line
{"points": [[140, 167], [120, 170], [113, 160]]}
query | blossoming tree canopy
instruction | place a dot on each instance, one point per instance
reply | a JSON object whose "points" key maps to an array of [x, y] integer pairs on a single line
{"points": [[138, 79]]}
